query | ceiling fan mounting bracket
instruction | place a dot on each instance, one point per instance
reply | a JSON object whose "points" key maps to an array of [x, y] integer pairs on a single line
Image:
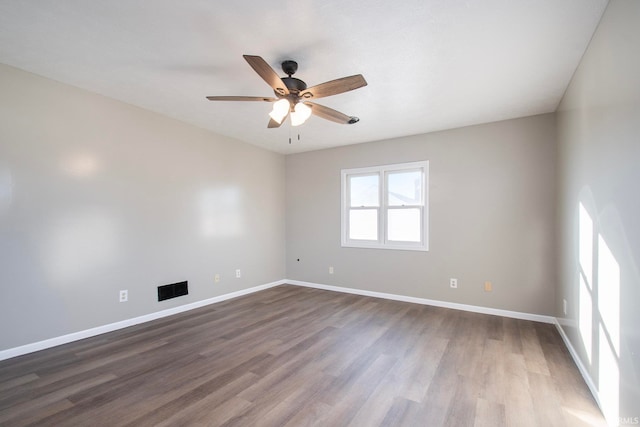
{"points": [[289, 67]]}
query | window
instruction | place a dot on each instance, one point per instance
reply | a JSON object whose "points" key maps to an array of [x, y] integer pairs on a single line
{"points": [[385, 207]]}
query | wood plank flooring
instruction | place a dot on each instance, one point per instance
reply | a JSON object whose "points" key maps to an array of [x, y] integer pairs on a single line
{"points": [[293, 356]]}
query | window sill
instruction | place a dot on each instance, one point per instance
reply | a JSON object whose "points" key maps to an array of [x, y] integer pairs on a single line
{"points": [[420, 248]]}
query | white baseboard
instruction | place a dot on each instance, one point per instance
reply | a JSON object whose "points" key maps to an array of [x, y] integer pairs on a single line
{"points": [[424, 301], [583, 370], [75, 336]]}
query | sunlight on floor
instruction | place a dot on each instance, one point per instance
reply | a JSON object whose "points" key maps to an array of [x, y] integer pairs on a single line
{"points": [[583, 418]]}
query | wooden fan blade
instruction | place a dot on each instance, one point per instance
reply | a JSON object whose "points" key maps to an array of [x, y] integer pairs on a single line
{"points": [[267, 73], [331, 114], [334, 87], [273, 124], [241, 98]]}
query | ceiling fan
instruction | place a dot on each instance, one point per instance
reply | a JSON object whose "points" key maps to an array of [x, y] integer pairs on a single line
{"points": [[293, 97]]}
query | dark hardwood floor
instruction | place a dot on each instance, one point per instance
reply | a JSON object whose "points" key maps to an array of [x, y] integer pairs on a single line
{"points": [[293, 356]]}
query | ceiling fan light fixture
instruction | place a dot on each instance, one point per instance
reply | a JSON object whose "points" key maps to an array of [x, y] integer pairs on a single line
{"points": [[291, 91], [300, 114], [280, 110]]}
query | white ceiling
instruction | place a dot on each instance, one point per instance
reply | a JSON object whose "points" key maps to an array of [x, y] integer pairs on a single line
{"points": [[430, 64]]}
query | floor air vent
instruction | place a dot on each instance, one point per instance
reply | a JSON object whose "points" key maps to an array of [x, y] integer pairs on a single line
{"points": [[173, 290]]}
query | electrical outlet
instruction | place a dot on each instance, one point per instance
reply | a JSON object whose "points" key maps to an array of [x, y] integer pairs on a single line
{"points": [[453, 283], [216, 278], [124, 296], [331, 270], [488, 287], [238, 274]]}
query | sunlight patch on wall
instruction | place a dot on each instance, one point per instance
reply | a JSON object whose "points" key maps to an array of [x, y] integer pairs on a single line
{"points": [[586, 245], [585, 318], [585, 256], [609, 293], [608, 378], [599, 311], [609, 331]]}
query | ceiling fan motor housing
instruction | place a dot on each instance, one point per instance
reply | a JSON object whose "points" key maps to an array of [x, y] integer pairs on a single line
{"points": [[289, 67], [294, 85]]}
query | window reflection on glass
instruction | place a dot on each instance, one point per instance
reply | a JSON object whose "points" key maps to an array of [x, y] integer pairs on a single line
{"points": [[364, 190], [404, 188]]}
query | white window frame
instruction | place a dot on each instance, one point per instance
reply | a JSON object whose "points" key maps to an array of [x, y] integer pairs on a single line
{"points": [[382, 242]]}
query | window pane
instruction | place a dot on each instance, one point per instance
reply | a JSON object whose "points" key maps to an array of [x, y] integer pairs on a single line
{"points": [[403, 225], [405, 188], [364, 190], [363, 224]]}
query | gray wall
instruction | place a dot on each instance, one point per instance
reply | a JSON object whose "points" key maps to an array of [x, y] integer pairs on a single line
{"points": [[492, 216], [98, 196], [599, 168]]}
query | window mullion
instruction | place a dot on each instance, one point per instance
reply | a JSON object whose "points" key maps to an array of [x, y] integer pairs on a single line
{"points": [[385, 206], [380, 213]]}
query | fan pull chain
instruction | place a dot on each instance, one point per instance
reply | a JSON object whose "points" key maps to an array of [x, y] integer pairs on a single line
{"points": [[290, 136]]}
